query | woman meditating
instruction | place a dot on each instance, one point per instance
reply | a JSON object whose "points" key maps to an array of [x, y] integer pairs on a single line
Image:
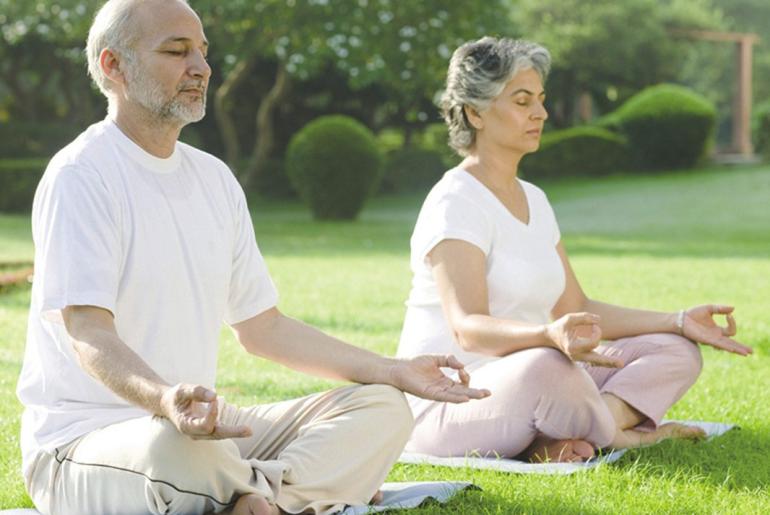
{"points": [[493, 285]]}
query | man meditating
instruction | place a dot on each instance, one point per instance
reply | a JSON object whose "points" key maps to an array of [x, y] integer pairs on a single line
{"points": [[143, 245]]}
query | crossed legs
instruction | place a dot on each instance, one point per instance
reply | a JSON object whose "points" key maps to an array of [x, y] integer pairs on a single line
{"points": [[545, 407], [314, 454]]}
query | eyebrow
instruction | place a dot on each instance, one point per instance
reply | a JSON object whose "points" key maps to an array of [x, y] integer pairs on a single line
{"points": [[182, 39], [528, 92]]}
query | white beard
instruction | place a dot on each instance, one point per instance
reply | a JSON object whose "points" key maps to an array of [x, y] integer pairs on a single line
{"points": [[146, 91]]}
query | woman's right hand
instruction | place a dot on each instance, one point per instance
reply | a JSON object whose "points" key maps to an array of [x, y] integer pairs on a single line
{"points": [[577, 335]]}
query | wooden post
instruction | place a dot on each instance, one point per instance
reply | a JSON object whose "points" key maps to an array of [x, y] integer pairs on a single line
{"points": [[742, 110]]}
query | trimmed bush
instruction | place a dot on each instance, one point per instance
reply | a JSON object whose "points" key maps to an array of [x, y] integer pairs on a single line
{"points": [[18, 181], [667, 126], [334, 164], [760, 129], [578, 151], [411, 170]]}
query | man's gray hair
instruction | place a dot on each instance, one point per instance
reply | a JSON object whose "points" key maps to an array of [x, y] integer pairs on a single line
{"points": [[113, 28], [478, 72]]}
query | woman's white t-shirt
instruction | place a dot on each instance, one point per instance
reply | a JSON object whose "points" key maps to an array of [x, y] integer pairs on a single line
{"points": [[525, 276]]}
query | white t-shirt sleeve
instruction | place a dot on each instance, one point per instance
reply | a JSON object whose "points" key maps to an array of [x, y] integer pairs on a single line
{"points": [[79, 254], [451, 217], [251, 289]]}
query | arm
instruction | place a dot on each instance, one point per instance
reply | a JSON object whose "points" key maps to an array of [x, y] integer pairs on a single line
{"points": [[459, 268], [618, 322], [276, 337], [106, 358]]}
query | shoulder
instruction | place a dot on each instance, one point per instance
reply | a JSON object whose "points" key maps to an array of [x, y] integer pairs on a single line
{"points": [[85, 160], [456, 188], [215, 172], [538, 199]]}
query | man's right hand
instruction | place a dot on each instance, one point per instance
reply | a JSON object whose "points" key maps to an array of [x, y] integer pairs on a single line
{"points": [[194, 412]]}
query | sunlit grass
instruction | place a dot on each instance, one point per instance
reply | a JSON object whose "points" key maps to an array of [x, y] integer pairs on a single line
{"points": [[662, 242]]}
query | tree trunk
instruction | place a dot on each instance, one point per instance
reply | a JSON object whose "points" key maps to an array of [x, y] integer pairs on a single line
{"points": [[222, 104], [265, 137]]}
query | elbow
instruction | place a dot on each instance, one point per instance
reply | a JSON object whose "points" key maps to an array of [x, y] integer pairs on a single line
{"points": [[255, 333], [465, 337]]}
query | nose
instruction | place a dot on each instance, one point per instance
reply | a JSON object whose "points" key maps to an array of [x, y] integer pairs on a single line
{"points": [[198, 66], [539, 112]]}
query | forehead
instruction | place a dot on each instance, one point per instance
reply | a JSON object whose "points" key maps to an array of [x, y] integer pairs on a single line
{"points": [[527, 79], [161, 20]]}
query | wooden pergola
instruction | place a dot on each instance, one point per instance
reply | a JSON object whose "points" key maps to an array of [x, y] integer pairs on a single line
{"points": [[741, 138]]}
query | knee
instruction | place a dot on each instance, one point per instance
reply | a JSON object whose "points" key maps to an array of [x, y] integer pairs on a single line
{"points": [[391, 406], [549, 368], [686, 356], [172, 452]]}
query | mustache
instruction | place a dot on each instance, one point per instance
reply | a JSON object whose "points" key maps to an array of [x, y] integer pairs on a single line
{"points": [[198, 85]]}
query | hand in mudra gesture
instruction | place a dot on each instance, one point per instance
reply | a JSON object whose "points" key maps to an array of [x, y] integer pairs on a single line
{"points": [[699, 325], [194, 411], [577, 335]]}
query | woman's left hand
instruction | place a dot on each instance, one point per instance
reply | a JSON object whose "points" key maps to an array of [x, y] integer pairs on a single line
{"points": [[699, 326]]}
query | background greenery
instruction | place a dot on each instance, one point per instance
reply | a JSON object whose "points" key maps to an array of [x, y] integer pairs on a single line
{"points": [[660, 242], [280, 63]]}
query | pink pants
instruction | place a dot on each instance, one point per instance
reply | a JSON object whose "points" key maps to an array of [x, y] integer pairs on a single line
{"points": [[540, 391]]}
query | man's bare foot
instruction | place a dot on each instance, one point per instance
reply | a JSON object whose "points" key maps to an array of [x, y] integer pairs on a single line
{"points": [[377, 497], [252, 504], [544, 450]]}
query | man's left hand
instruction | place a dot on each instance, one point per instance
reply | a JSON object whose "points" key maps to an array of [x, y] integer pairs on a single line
{"points": [[422, 376]]}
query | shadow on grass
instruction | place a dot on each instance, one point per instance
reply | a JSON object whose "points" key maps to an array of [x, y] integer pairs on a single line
{"points": [[736, 460]]}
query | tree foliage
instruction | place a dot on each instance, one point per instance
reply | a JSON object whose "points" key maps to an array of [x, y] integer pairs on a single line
{"points": [[608, 48]]}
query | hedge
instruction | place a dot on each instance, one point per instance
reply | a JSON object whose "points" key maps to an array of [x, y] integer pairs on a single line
{"points": [[760, 128], [667, 126], [18, 181], [578, 151], [411, 169]]}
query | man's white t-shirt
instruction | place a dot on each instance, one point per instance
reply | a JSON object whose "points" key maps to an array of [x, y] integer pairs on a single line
{"points": [[166, 245], [525, 276]]}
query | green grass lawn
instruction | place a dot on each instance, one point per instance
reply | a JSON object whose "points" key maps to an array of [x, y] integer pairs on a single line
{"points": [[660, 242]]}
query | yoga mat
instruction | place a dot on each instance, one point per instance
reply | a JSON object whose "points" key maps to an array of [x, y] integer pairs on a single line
{"points": [[395, 496], [712, 429], [400, 496]]}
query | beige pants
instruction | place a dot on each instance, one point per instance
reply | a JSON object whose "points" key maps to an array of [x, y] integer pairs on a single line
{"points": [[314, 454]]}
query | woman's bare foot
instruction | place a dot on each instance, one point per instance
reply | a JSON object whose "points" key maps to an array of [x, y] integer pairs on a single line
{"points": [[679, 432], [544, 450], [377, 497], [632, 438], [252, 504]]}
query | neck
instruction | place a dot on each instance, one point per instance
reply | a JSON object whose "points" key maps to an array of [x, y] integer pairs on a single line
{"points": [[156, 137], [495, 169]]}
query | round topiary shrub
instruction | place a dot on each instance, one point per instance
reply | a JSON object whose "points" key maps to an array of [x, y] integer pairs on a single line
{"points": [[411, 169], [667, 126], [334, 164], [760, 129], [579, 151]]}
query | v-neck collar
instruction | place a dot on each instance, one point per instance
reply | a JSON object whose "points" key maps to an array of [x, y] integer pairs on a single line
{"points": [[480, 185]]}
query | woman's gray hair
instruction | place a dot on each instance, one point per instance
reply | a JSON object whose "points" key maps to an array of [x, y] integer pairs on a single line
{"points": [[113, 28], [478, 72]]}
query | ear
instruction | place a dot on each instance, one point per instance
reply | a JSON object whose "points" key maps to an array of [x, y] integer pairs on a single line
{"points": [[111, 66], [473, 117]]}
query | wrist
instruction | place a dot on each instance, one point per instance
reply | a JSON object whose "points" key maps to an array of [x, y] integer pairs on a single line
{"points": [[548, 336], [678, 322]]}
